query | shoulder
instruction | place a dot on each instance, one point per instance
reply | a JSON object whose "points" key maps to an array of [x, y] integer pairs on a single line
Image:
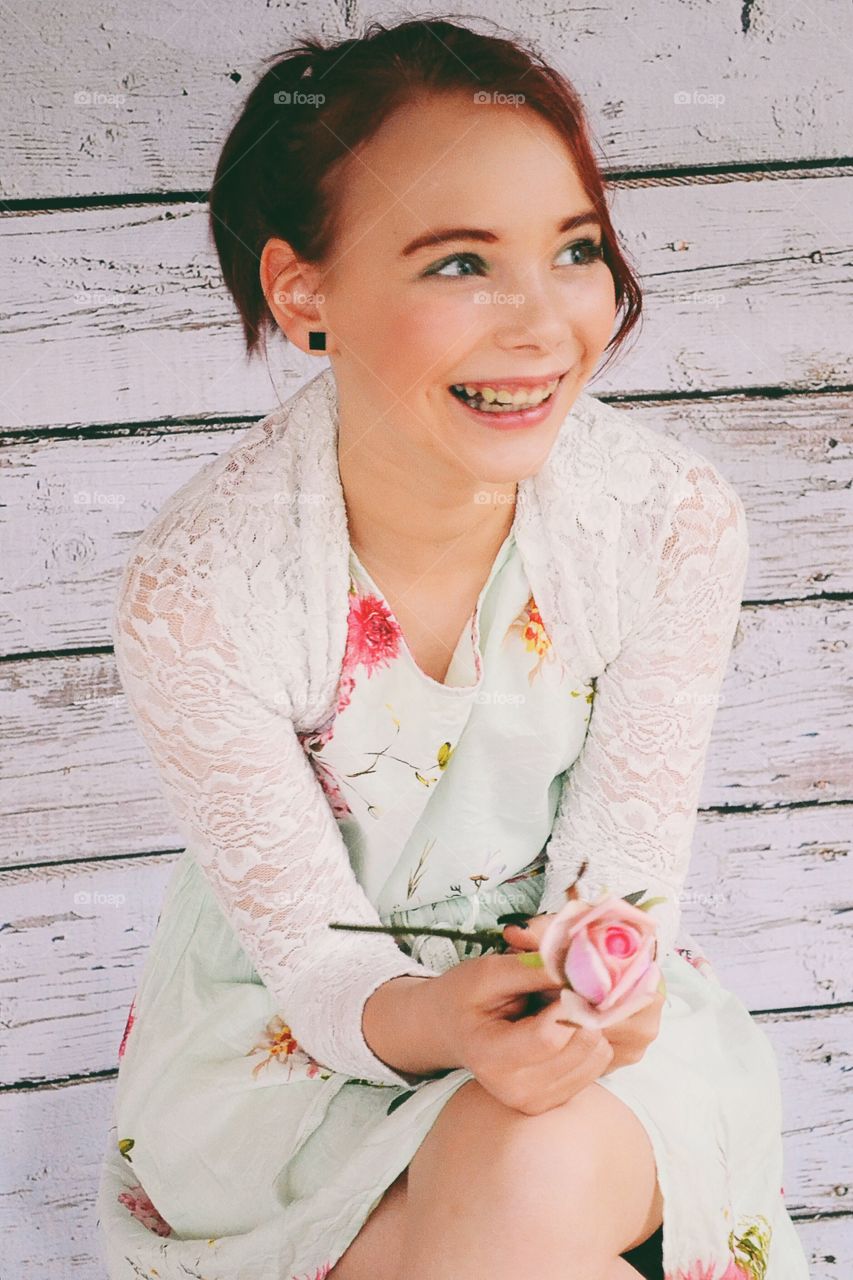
{"points": [[219, 498], [630, 504], [654, 483], [243, 505], [632, 460], [258, 536]]}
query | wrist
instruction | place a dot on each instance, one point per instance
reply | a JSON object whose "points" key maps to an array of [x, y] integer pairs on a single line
{"points": [[401, 1026]]}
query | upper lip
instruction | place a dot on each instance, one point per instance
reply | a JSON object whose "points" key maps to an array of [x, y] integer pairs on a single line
{"points": [[537, 380]]}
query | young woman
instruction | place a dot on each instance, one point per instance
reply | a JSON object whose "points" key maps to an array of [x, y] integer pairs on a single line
{"points": [[430, 636]]}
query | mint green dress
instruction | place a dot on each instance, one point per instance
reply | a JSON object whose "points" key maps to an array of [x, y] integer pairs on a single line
{"points": [[236, 1156]]}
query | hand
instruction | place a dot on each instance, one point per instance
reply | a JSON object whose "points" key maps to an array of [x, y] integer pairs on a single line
{"points": [[629, 1038], [527, 1061]]}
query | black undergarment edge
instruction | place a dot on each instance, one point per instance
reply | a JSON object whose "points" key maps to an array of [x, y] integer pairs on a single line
{"points": [[647, 1258]]}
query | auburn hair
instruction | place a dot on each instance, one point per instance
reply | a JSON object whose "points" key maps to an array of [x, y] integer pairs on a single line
{"points": [[318, 102]]}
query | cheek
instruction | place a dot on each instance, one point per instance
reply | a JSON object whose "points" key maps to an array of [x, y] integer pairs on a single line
{"points": [[427, 338], [594, 309]]}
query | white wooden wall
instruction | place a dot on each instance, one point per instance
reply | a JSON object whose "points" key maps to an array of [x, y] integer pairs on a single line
{"points": [[123, 373]]}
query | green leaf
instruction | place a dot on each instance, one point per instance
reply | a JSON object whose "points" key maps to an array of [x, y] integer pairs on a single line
{"points": [[652, 902], [532, 959]]}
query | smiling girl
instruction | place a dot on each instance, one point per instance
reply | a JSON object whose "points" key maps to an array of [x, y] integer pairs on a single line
{"points": [[435, 632]]}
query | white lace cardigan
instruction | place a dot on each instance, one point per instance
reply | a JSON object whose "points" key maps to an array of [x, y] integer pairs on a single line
{"points": [[230, 627]]}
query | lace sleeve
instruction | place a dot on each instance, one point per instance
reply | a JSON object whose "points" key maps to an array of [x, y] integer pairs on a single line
{"points": [[629, 802], [253, 814]]}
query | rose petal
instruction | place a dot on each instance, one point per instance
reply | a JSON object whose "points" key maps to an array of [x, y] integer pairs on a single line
{"points": [[586, 970], [600, 934], [577, 1010], [621, 909], [632, 974], [554, 951]]}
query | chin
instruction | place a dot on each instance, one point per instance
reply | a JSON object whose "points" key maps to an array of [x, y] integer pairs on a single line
{"points": [[513, 461]]}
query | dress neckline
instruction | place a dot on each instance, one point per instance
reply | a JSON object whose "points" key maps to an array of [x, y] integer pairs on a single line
{"points": [[470, 629]]}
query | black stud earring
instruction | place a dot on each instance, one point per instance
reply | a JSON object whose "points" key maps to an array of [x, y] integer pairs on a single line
{"points": [[316, 340]]}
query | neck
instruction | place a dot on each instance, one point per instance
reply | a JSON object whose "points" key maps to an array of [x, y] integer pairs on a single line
{"points": [[431, 525]]}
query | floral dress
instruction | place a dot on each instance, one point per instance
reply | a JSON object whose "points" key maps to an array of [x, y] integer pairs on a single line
{"points": [[236, 1156]]}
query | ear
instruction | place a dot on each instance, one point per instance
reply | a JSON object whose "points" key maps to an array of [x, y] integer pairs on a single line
{"points": [[289, 286]]}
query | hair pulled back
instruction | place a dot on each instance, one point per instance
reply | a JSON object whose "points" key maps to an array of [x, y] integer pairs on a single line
{"points": [[317, 103]]}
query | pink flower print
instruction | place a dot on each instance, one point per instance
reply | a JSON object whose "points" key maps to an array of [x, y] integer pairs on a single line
{"points": [[708, 1271], [130, 1021], [698, 1271], [319, 1274], [141, 1208], [373, 636]]}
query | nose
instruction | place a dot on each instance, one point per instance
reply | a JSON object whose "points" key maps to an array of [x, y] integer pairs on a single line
{"points": [[535, 316]]}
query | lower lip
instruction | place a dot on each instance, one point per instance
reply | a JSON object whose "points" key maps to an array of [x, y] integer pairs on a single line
{"points": [[511, 421]]}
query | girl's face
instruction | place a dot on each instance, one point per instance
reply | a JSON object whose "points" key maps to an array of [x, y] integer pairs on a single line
{"points": [[452, 268]]}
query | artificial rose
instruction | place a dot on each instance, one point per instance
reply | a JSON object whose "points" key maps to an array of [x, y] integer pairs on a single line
{"points": [[602, 955]]}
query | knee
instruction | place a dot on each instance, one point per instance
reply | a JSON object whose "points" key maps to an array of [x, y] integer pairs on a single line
{"points": [[528, 1152], [589, 1158]]}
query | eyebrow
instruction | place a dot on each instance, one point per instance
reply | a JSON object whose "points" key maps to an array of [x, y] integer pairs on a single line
{"points": [[431, 238]]}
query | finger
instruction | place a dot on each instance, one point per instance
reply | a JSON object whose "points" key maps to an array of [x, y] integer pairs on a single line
{"points": [[529, 937], [525, 971]]}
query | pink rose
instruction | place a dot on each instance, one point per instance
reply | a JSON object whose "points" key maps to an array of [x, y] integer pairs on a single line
{"points": [[602, 954]]}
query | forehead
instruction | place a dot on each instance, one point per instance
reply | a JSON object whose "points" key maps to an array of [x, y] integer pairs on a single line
{"points": [[449, 157]]}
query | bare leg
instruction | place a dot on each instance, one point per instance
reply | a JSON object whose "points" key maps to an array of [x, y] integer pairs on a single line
{"points": [[497, 1193], [622, 1270]]}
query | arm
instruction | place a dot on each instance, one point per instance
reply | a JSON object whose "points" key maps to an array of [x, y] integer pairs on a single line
{"points": [[254, 815], [629, 801]]}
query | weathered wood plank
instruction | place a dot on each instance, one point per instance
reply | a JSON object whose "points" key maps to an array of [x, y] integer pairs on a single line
{"points": [[53, 1140], [741, 275], [74, 941], [765, 899], [814, 1056], [828, 1243], [80, 782], [71, 511], [144, 105]]}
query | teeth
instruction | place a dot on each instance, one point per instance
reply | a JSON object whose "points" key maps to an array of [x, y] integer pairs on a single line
{"points": [[527, 397]]}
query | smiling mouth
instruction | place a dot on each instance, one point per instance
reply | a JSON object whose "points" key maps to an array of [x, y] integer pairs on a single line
{"points": [[500, 401]]}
